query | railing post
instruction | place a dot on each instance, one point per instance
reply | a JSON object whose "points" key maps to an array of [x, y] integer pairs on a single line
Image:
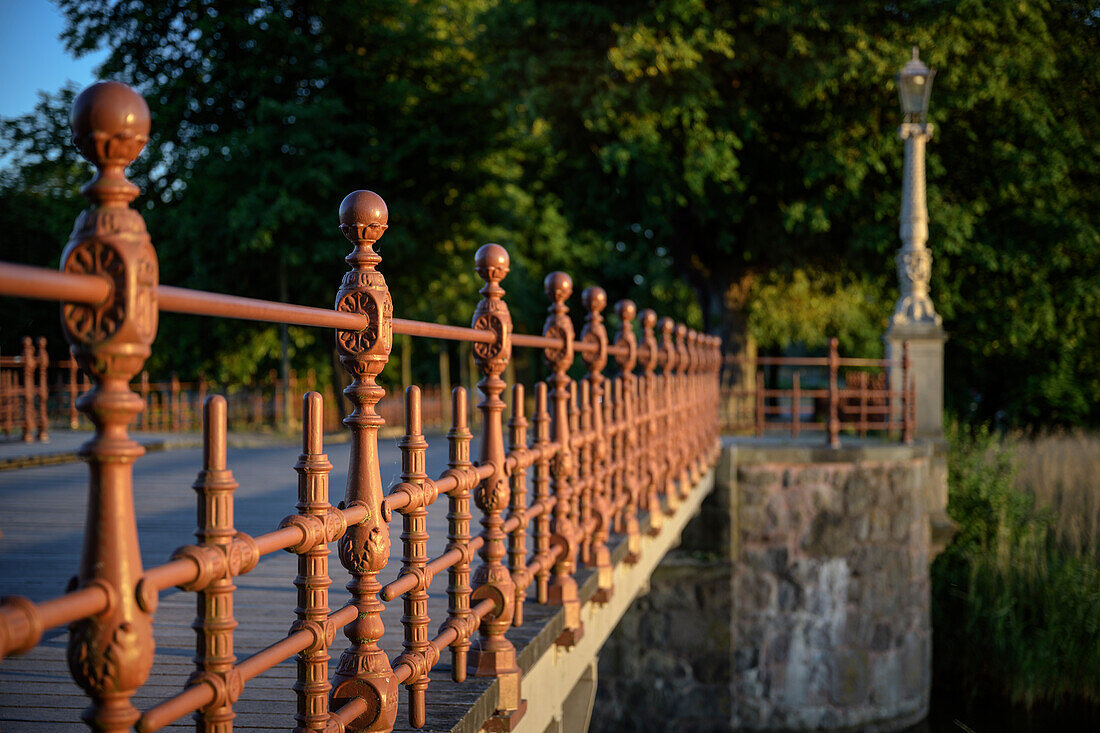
{"points": [[42, 363], [563, 586], [174, 417], [668, 413], [628, 440], [110, 654], [595, 332], [542, 493], [680, 400], [655, 517], [760, 416], [796, 400], [834, 395], [364, 669], [494, 655], [74, 416], [29, 428], [146, 413]]}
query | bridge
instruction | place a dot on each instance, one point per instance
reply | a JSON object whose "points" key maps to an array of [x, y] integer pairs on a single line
{"points": [[582, 486], [616, 464]]}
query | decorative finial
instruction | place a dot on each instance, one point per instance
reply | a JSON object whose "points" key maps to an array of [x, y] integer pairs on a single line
{"points": [[595, 299], [110, 126], [558, 286], [363, 218]]}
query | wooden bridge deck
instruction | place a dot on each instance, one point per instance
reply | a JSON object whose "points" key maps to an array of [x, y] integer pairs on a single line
{"points": [[41, 520]]}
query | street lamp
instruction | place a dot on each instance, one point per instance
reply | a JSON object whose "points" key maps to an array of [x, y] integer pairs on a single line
{"points": [[914, 261]]}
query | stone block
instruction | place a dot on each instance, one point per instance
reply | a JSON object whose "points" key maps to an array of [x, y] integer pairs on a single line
{"points": [[851, 677]]}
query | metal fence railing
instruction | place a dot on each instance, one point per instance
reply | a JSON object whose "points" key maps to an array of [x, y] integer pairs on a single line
{"points": [[617, 449]]}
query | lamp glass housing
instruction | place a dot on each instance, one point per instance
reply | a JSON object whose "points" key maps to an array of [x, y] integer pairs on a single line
{"points": [[915, 89]]}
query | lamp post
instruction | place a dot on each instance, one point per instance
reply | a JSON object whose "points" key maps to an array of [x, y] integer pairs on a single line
{"points": [[914, 260], [915, 319]]}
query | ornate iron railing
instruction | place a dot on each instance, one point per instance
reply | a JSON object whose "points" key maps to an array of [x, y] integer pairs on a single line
{"points": [[859, 400], [608, 454]]}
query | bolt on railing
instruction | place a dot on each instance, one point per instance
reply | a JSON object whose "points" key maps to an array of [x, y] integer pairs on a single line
{"points": [[601, 451]]}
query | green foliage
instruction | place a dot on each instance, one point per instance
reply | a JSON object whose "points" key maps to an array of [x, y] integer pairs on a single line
{"points": [[809, 308], [1015, 614]]}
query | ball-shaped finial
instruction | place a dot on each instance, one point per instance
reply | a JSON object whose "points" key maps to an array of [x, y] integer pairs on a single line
{"points": [[626, 310], [491, 262], [558, 286], [666, 325], [681, 331], [649, 318], [110, 123], [363, 209], [595, 298]]}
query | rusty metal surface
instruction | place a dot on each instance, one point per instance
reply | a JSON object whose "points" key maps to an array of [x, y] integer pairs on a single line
{"points": [[555, 490]]}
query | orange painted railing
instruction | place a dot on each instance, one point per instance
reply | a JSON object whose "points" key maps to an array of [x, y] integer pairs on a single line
{"points": [[859, 399], [612, 451]]}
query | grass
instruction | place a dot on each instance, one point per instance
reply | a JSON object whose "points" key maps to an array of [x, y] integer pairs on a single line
{"points": [[1017, 594], [1062, 471]]}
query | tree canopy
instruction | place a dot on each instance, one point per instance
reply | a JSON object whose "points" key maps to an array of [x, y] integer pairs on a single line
{"points": [[710, 156]]}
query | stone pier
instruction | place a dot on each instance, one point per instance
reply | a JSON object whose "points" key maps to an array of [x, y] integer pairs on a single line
{"points": [[799, 599]]}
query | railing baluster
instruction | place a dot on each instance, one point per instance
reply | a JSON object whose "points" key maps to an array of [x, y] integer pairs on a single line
{"points": [[834, 396], [419, 653], [517, 538], [364, 669], [458, 532], [563, 586], [494, 655], [214, 623], [316, 518], [585, 484], [542, 493]]}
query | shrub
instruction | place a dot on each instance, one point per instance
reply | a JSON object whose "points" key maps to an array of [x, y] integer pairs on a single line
{"points": [[1016, 611]]}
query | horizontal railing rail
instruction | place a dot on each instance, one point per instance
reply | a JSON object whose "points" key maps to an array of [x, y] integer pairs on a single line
{"points": [[859, 400], [612, 452]]}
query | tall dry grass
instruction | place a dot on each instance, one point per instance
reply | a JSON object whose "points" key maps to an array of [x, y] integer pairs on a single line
{"points": [[1062, 471]]}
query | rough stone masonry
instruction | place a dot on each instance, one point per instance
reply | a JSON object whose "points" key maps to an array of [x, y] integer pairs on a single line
{"points": [[798, 601]]}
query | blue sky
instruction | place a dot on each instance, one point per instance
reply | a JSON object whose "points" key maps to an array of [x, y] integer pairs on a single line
{"points": [[32, 57]]}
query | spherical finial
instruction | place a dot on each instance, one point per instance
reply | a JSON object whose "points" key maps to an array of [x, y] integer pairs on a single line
{"points": [[649, 318], [364, 209], [681, 331], [595, 298], [110, 123], [491, 262], [558, 286], [665, 325], [626, 310]]}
